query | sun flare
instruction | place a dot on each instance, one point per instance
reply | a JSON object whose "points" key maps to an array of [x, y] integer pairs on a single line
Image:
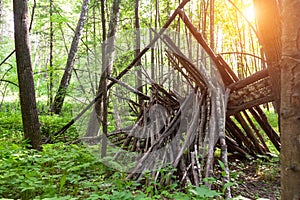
{"points": [[250, 13]]}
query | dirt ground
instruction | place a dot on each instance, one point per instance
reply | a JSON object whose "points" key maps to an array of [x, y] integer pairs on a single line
{"points": [[256, 179]]}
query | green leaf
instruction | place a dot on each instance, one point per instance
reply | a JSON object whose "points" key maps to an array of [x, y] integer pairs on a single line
{"points": [[62, 182], [180, 196], [204, 191], [229, 184], [222, 165]]}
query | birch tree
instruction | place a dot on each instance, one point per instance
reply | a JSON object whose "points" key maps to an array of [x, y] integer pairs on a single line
{"points": [[65, 81]]}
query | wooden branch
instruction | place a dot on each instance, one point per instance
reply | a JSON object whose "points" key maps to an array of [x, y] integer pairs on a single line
{"points": [[7, 57], [231, 110], [230, 73], [178, 68], [261, 118], [240, 138], [198, 36], [192, 70], [232, 145], [249, 133], [137, 58], [135, 91], [260, 137], [8, 81], [159, 141], [190, 134], [194, 172], [243, 53], [131, 65], [250, 79]]}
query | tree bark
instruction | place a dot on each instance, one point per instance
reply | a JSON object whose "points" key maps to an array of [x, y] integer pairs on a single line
{"points": [[290, 101], [138, 49], [65, 81], [269, 32], [30, 119], [51, 55], [212, 24]]}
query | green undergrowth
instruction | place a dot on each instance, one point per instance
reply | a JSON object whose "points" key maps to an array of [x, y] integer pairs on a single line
{"points": [[11, 123], [63, 170], [70, 171]]}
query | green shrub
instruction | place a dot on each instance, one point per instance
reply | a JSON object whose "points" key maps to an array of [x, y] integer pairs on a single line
{"points": [[51, 124]]}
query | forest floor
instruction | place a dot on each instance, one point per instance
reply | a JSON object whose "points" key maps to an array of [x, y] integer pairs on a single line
{"points": [[256, 179], [64, 171]]}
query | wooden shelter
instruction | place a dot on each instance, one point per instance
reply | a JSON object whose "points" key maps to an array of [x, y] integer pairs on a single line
{"points": [[218, 110]]}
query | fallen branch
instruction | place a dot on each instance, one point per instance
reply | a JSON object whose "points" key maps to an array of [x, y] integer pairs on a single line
{"points": [[129, 67]]}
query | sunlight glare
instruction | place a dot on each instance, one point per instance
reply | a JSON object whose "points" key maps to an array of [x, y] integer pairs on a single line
{"points": [[250, 13]]}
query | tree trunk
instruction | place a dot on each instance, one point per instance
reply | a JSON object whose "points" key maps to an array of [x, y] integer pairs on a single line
{"points": [[110, 45], [290, 101], [138, 49], [51, 56], [96, 115], [30, 119], [100, 113], [269, 30], [212, 24], [65, 81]]}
